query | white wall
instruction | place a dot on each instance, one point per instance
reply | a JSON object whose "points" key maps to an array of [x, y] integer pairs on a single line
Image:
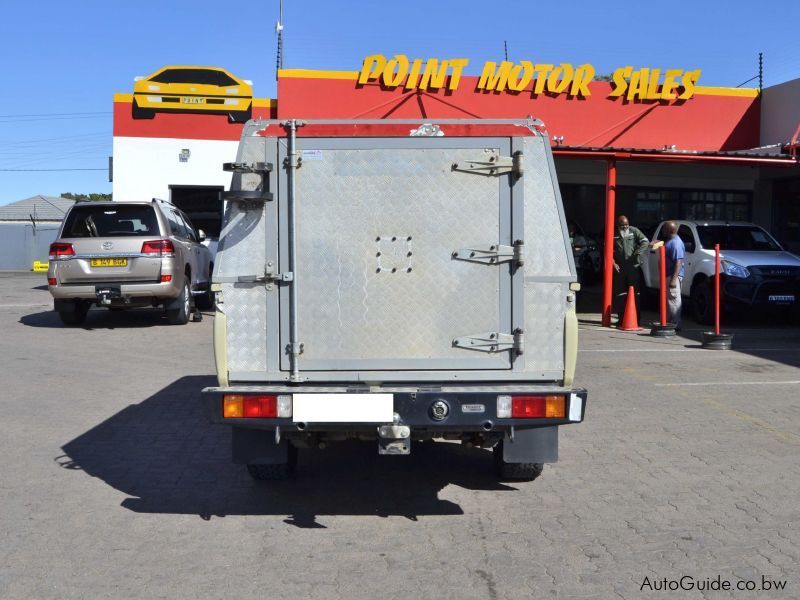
{"points": [[144, 168], [780, 112]]}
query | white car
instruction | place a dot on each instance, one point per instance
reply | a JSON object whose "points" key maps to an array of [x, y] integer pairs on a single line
{"points": [[757, 271]]}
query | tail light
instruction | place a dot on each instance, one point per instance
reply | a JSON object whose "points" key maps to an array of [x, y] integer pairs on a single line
{"points": [[59, 250], [158, 248], [52, 281], [166, 278], [532, 407], [256, 406]]}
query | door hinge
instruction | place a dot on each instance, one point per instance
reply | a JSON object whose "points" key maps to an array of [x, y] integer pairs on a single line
{"points": [[269, 277], [492, 164], [493, 254], [493, 342]]}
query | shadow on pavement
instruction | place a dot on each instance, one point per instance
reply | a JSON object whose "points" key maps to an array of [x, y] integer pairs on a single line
{"points": [[101, 318], [165, 454]]}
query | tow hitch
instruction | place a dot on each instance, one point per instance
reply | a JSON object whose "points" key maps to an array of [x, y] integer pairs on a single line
{"points": [[394, 439], [107, 294]]}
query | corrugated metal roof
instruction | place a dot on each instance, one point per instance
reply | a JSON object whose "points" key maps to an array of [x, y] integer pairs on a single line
{"points": [[44, 208]]}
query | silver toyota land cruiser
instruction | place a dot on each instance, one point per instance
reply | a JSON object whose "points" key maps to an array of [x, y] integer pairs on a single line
{"points": [[127, 255]]}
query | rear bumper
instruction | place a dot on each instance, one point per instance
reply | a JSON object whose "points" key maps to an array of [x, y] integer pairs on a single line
{"points": [[468, 411], [140, 291]]}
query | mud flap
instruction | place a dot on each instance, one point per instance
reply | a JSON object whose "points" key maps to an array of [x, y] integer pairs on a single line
{"points": [[532, 446], [256, 446]]}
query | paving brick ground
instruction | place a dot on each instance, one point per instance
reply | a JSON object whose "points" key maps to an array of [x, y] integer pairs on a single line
{"points": [[115, 486]]}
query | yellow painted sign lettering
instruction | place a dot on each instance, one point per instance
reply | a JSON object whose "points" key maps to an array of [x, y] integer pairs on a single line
{"points": [[538, 78]]}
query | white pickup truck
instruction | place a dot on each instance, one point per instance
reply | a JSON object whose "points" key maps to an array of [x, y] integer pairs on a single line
{"points": [[395, 281], [757, 271]]}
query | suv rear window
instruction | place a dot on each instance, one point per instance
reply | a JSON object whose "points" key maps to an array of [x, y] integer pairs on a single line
{"points": [[111, 221]]}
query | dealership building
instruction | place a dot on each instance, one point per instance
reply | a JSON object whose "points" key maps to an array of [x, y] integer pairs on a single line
{"points": [[652, 144], [666, 145]]}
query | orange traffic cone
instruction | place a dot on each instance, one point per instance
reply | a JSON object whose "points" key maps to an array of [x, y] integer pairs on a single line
{"points": [[629, 320]]}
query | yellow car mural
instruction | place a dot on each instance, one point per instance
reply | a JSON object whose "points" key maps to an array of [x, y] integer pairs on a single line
{"points": [[193, 89]]}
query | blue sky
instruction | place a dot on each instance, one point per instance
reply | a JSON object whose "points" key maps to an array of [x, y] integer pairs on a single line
{"points": [[63, 61]]}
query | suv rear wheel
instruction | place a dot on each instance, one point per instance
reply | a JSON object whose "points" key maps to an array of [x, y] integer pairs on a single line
{"points": [[75, 315], [183, 305]]}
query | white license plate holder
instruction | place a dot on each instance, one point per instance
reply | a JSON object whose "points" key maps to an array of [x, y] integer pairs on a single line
{"points": [[342, 408]]}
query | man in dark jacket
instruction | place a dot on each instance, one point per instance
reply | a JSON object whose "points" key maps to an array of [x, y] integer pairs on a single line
{"points": [[629, 245]]}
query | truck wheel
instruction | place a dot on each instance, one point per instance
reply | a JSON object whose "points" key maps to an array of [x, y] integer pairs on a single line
{"points": [[180, 315], [76, 316], [279, 472], [514, 471], [702, 303]]}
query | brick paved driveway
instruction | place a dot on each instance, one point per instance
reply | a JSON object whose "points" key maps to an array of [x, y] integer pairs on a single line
{"points": [[115, 486]]}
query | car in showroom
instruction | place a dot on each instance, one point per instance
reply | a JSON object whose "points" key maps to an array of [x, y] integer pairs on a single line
{"points": [[756, 271], [193, 89], [123, 255], [586, 253]]}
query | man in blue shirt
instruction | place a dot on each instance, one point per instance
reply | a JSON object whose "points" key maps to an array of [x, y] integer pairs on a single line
{"points": [[675, 253]]}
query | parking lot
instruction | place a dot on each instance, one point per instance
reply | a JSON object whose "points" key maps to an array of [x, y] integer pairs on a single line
{"points": [[115, 486]]}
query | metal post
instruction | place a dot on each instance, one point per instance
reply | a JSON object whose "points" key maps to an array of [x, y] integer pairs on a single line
{"points": [[716, 289], [293, 163], [608, 248], [662, 329], [716, 340], [662, 280]]}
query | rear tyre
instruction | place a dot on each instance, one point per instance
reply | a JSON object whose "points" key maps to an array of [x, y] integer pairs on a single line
{"points": [[206, 301], [75, 316], [142, 113], [240, 116], [702, 303], [514, 471], [279, 472], [180, 314]]}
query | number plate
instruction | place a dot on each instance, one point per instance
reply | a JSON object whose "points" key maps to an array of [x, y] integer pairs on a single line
{"points": [[782, 298], [192, 100], [109, 262], [342, 408]]}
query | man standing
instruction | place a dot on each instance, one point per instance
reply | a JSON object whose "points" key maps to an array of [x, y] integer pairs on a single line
{"points": [[629, 244], [675, 253]]}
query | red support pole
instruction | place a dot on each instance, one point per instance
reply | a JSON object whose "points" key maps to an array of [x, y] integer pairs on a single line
{"points": [[716, 288], [608, 239], [662, 277]]}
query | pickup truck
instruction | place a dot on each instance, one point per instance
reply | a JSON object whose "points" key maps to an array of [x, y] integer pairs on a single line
{"points": [[373, 284], [756, 271]]}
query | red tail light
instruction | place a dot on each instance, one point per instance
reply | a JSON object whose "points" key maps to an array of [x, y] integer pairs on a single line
{"points": [[538, 407], [158, 248], [261, 407], [58, 250], [52, 281], [166, 278]]}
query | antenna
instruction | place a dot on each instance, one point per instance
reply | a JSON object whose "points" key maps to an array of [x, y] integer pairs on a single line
{"points": [[760, 71], [279, 31]]}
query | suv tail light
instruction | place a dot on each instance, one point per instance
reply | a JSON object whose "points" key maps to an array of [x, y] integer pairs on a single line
{"points": [[158, 248], [532, 407], [59, 249]]}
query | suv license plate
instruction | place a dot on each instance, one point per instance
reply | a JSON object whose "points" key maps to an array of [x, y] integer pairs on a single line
{"points": [[109, 262], [782, 298], [192, 100]]}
